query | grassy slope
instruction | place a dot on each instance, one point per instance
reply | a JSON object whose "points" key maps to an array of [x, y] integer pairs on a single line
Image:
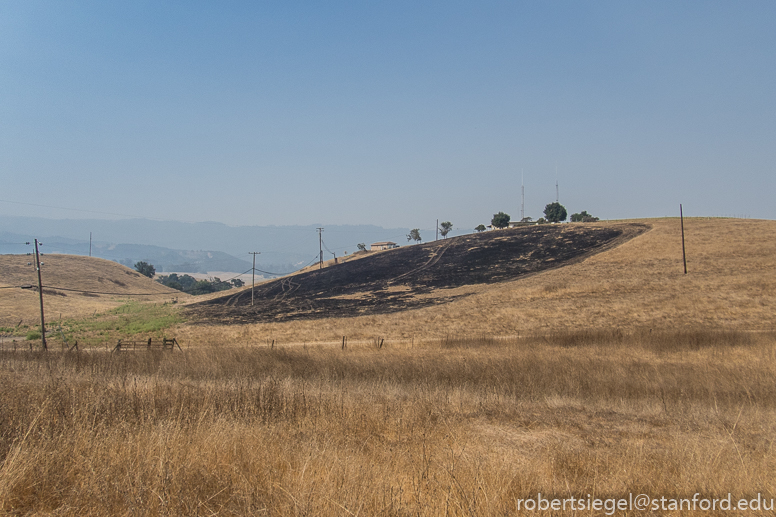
{"points": [[641, 284], [638, 285], [69, 271]]}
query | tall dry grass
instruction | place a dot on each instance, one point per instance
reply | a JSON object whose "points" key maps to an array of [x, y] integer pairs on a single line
{"points": [[457, 427]]}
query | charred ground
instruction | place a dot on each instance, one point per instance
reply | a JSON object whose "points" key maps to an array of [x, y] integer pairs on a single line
{"points": [[416, 276]]}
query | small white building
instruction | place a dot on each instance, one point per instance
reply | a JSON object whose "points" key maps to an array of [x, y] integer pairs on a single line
{"points": [[387, 245]]}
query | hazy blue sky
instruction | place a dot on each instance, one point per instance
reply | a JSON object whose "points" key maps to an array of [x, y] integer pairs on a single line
{"points": [[388, 113]]}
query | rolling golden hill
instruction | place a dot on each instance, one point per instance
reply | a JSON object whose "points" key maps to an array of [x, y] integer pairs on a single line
{"points": [[73, 286], [638, 285]]}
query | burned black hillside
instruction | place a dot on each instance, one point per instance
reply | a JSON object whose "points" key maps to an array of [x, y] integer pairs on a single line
{"points": [[416, 276]]}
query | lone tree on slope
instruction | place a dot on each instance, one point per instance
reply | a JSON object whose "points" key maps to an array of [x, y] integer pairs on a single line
{"points": [[445, 228], [555, 212], [144, 268], [414, 235], [500, 220]]}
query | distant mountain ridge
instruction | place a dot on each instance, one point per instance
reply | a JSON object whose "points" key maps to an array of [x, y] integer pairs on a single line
{"points": [[189, 247], [163, 259]]}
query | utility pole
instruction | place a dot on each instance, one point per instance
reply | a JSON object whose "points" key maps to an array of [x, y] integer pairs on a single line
{"points": [[320, 248], [684, 255], [40, 292], [522, 196], [253, 272]]}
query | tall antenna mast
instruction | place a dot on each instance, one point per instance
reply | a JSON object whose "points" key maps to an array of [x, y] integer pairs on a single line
{"points": [[522, 195]]}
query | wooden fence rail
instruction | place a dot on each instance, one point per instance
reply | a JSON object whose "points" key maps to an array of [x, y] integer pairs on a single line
{"points": [[164, 344]]}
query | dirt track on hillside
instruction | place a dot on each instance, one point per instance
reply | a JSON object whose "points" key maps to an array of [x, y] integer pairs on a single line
{"points": [[415, 276]]}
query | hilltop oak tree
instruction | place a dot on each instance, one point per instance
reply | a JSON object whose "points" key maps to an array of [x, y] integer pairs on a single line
{"points": [[445, 228], [500, 220], [555, 212], [414, 235], [583, 217], [480, 228], [144, 268]]}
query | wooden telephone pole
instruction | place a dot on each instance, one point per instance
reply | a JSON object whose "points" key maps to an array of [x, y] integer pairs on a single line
{"points": [[40, 292], [320, 247], [253, 272], [684, 254]]}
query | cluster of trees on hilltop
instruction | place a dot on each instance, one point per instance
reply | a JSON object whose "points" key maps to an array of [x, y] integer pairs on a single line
{"points": [[553, 213], [414, 235], [583, 217]]}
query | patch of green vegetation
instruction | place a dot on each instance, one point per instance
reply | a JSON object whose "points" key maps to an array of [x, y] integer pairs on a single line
{"points": [[133, 319], [14, 331], [32, 335]]}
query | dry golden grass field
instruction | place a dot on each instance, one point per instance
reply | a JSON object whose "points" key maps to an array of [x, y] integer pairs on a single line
{"points": [[613, 376]]}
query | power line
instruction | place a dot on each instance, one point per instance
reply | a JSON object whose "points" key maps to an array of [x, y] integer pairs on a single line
{"points": [[101, 292], [86, 291], [189, 291], [283, 274]]}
